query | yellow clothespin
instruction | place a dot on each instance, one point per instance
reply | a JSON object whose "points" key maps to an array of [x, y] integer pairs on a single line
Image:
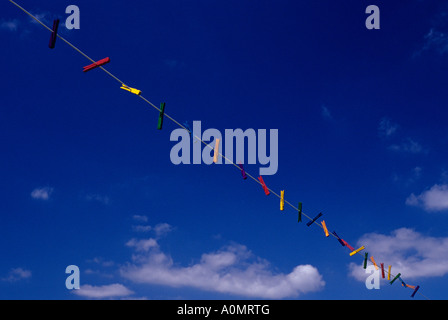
{"points": [[282, 200], [131, 90], [356, 251]]}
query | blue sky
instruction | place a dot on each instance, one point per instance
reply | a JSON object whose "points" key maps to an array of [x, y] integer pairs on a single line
{"points": [[87, 178]]}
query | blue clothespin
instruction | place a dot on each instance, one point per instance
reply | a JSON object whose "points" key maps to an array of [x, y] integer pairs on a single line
{"points": [[415, 291], [312, 221], [186, 125], [339, 239]]}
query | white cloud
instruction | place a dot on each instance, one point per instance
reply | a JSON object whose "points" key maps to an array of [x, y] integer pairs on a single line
{"points": [[434, 199], [140, 218], [42, 193], [99, 198], [410, 253], [232, 270], [162, 229], [159, 230], [142, 245], [17, 274], [141, 228], [436, 40], [101, 292], [9, 25], [387, 128], [408, 146]]}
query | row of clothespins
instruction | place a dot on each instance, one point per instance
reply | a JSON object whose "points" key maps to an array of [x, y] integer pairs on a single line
{"points": [[344, 243], [244, 175], [100, 63]]}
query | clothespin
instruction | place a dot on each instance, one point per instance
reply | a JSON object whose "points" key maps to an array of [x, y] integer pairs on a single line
{"points": [[161, 114], [339, 239], [300, 212], [396, 277], [315, 218], [243, 173], [131, 90], [265, 188], [365, 259], [347, 245], [402, 282], [415, 291], [187, 126], [382, 270], [54, 34], [216, 154], [96, 64], [282, 200], [374, 263], [388, 272], [325, 228], [356, 251]]}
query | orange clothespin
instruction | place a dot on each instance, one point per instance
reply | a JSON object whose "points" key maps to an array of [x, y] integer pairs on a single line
{"points": [[374, 263], [216, 154], [325, 228]]}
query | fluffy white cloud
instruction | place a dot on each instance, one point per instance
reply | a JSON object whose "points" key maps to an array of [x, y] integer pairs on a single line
{"points": [[101, 292], [17, 274], [232, 270], [410, 253], [434, 199], [142, 245], [42, 193]]}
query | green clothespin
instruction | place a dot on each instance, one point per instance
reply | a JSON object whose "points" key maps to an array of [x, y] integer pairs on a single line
{"points": [[162, 112], [365, 259], [396, 277]]}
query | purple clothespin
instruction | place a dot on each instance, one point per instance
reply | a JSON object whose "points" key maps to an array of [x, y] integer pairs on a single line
{"points": [[54, 33], [415, 291], [243, 173]]}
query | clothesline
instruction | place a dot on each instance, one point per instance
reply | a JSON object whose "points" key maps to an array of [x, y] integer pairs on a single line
{"points": [[216, 148]]}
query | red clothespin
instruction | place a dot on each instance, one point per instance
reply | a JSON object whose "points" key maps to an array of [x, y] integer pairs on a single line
{"points": [[96, 64], [265, 188], [347, 245]]}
